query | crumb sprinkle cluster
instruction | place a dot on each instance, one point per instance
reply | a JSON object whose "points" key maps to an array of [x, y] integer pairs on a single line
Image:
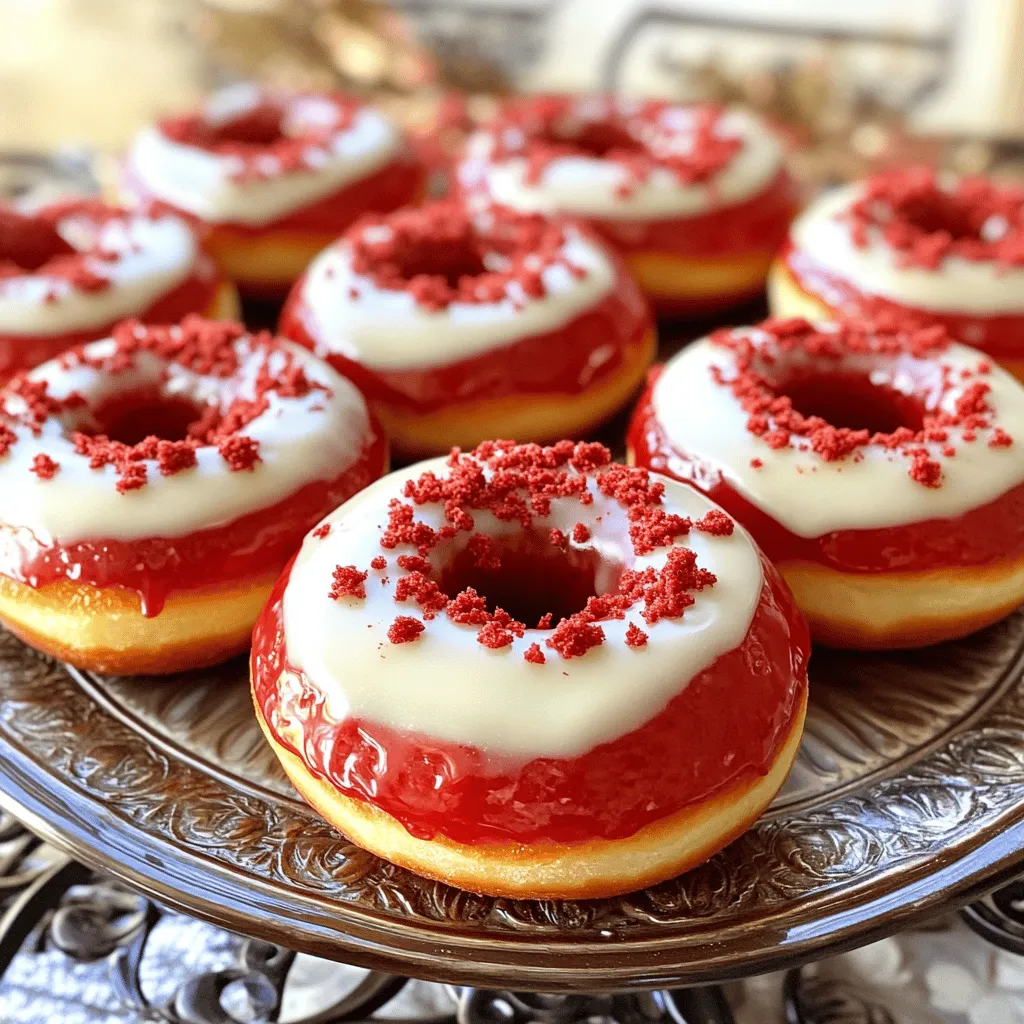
{"points": [[256, 140], [974, 218], [636, 136], [417, 250], [517, 484], [773, 419], [209, 348]]}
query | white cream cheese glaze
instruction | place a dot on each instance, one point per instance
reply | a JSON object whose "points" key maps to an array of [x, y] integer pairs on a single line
{"points": [[204, 183], [154, 255], [447, 685], [350, 315], [589, 186], [301, 440], [956, 286], [810, 496]]}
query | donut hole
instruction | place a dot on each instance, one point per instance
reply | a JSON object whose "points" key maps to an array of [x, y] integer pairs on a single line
{"points": [[597, 139], [854, 401], [936, 212], [451, 261], [29, 243], [529, 576], [136, 415], [261, 126]]}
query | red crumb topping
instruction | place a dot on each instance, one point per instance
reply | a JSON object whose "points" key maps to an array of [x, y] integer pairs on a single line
{"points": [[348, 582], [44, 467], [534, 655], [517, 484], [639, 137], [209, 348], [405, 629], [32, 244], [975, 219], [635, 636], [499, 630], [268, 140], [240, 453], [715, 522], [322, 531], [773, 418], [441, 254], [425, 592], [378, 563]]}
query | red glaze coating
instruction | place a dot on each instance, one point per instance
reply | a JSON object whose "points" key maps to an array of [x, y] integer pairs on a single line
{"points": [[733, 718], [986, 534], [395, 184], [556, 362], [252, 546], [756, 225], [1000, 336], [193, 295]]}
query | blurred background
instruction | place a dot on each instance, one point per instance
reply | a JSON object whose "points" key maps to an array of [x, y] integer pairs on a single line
{"points": [[855, 84]]}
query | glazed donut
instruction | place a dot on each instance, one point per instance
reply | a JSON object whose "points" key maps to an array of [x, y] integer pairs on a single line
{"points": [[912, 244], [71, 270], [695, 198], [528, 672], [154, 484], [881, 469], [459, 323], [272, 177]]}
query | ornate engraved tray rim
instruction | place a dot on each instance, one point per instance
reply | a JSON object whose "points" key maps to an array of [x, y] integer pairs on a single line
{"points": [[816, 876]]}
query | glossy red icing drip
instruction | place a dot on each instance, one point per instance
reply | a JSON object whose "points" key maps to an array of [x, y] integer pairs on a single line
{"points": [[986, 534], [254, 546], [193, 295], [1000, 336], [754, 226], [395, 184], [568, 360], [723, 729]]}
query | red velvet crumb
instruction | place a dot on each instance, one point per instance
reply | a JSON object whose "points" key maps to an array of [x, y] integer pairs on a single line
{"points": [[635, 636], [534, 655], [772, 417], [580, 533], [240, 453], [574, 636], [322, 531], [254, 138], [439, 253], [405, 629], [517, 484], [976, 219], [636, 136], [348, 582], [717, 523], [44, 467]]}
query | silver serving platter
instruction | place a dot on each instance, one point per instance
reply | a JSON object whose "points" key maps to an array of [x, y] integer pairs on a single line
{"points": [[907, 797]]}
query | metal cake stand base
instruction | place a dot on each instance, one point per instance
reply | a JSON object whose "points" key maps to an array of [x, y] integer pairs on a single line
{"points": [[53, 905]]}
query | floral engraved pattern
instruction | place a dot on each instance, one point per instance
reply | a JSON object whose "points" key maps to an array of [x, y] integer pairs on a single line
{"points": [[909, 760]]}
